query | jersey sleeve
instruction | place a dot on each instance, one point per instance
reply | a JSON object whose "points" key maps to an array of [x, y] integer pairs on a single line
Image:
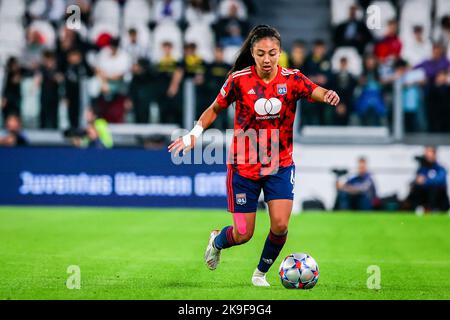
{"points": [[304, 87], [227, 93]]}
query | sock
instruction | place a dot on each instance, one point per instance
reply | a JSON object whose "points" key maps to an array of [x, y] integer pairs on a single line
{"points": [[224, 239], [272, 248]]}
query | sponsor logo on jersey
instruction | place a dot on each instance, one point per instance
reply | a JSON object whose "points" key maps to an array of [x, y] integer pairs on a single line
{"points": [[267, 108], [241, 199], [282, 88], [251, 91]]}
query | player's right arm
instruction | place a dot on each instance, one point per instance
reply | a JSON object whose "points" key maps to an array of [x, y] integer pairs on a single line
{"points": [[187, 142], [223, 100]]}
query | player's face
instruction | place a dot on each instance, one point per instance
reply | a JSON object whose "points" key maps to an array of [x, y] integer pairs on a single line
{"points": [[266, 53]]}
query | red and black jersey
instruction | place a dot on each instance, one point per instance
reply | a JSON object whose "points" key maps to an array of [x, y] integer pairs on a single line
{"points": [[264, 119]]}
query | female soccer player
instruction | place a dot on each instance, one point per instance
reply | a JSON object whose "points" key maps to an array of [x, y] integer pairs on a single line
{"points": [[265, 95]]}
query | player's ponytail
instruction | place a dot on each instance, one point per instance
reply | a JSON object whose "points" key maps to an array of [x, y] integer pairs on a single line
{"points": [[245, 58]]}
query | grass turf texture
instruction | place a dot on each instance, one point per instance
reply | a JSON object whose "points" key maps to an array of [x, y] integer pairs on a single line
{"points": [[158, 254]]}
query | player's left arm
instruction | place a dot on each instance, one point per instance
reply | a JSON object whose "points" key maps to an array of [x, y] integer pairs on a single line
{"points": [[324, 95]]}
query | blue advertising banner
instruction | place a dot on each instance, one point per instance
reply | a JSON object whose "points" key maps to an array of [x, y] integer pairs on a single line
{"points": [[117, 177]]}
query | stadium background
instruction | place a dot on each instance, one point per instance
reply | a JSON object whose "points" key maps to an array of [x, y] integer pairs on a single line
{"points": [[57, 65]]}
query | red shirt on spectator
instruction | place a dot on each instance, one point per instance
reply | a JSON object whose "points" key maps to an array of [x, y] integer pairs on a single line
{"points": [[390, 46]]}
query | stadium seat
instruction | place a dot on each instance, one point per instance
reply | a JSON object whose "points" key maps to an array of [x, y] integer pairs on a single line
{"points": [[415, 12], [230, 54], [167, 30], [136, 12], [12, 40], [106, 11], [442, 9], [202, 35], [353, 57], [339, 10], [42, 9], [224, 8], [387, 12], [12, 11], [47, 32], [193, 16]]}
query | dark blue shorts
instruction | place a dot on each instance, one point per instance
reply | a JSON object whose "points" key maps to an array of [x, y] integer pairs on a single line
{"points": [[243, 193]]}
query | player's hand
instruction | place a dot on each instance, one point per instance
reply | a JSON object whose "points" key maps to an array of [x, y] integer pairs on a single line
{"points": [[420, 179], [332, 98], [178, 145]]}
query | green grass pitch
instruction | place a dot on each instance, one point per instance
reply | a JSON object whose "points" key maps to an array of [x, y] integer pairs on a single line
{"points": [[158, 254]]}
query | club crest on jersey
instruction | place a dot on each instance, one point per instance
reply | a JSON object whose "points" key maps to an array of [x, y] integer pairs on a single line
{"points": [[282, 88], [241, 199]]}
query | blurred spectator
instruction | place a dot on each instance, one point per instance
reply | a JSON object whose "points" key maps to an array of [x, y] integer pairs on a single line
{"points": [[112, 66], [318, 69], [233, 36], [199, 11], [429, 189], [135, 49], [76, 71], [369, 105], [412, 97], [359, 192], [390, 46], [69, 40], [353, 32], [168, 9], [193, 65], [97, 134], [438, 111], [49, 79], [231, 27], [437, 63], [215, 74], [233, 8], [169, 76], [283, 61], [444, 34], [418, 48], [297, 56], [14, 136], [11, 94], [32, 55], [343, 82], [139, 90]]}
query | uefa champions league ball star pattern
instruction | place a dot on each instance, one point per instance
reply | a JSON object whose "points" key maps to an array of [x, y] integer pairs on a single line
{"points": [[299, 271]]}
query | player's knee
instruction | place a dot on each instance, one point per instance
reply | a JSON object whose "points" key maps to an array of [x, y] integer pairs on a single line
{"points": [[243, 238], [280, 227]]}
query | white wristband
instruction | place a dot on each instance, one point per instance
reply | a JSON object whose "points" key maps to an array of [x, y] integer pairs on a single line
{"points": [[196, 132]]}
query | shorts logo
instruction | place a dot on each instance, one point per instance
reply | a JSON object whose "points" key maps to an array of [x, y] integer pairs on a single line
{"points": [[241, 199], [282, 88]]}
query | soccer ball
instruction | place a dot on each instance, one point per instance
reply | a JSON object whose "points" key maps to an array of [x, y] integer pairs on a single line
{"points": [[299, 271]]}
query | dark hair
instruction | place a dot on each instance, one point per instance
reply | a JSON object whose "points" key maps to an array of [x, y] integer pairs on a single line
{"points": [[245, 58], [362, 159]]}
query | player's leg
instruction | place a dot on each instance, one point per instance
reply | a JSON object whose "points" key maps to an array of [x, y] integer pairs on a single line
{"points": [[279, 212], [243, 196], [240, 233], [278, 193]]}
